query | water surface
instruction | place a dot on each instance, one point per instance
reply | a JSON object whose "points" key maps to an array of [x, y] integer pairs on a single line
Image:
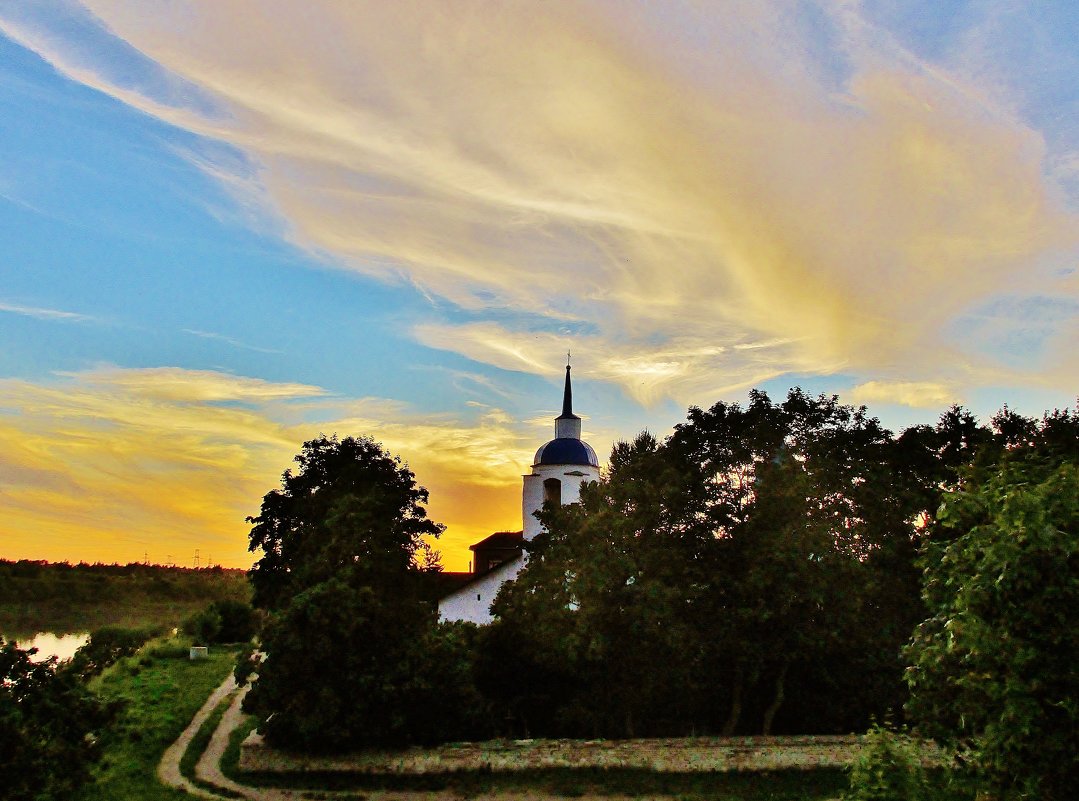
{"points": [[62, 646]]}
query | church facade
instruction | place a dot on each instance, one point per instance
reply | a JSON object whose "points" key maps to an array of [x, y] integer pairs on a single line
{"points": [[558, 469]]}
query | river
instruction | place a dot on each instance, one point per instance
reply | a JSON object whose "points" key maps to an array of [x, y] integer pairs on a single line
{"points": [[62, 646]]}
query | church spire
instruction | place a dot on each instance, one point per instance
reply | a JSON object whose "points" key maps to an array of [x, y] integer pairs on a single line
{"points": [[567, 396], [567, 424]]}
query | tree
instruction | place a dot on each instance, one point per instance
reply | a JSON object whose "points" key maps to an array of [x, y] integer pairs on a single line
{"points": [[106, 645], [350, 505], [993, 668], [797, 505], [600, 605], [48, 723], [742, 555], [341, 574]]}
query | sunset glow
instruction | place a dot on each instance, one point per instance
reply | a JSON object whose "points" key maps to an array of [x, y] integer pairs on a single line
{"points": [[229, 227]]}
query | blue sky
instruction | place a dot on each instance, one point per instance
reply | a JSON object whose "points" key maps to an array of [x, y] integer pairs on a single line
{"points": [[229, 227]]}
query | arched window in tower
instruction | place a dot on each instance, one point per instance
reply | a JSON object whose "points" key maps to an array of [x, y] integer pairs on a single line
{"points": [[552, 491]]}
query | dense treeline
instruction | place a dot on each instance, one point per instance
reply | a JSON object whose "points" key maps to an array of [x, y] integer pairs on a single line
{"points": [[43, 596], [758, 571]]}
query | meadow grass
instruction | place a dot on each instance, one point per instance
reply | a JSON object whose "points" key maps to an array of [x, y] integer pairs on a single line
{"points": [[160, 690]]}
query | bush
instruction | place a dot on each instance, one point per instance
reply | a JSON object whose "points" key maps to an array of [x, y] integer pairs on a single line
{"points": [[169, 649], [887, 768], [237, 621], [220, 622], [203, 627], [107, 645], [993, 670]]}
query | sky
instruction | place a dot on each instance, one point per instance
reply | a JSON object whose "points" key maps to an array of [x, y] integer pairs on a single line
{"points": [[227, 227]]}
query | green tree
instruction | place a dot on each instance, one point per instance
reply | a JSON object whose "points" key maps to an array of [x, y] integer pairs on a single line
{"points": [[600, 605], [203, 626], [707, 575], [993, 668], [349, 504], [798, 511], [48, 723], [342, 575], [106, 645], [238, 621]]}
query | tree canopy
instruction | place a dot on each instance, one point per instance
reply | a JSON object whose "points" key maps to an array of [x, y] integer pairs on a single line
{"points": [[759, 570], [352, 648], [742, 554], [48, 723], [349, 507], [993, 665]]}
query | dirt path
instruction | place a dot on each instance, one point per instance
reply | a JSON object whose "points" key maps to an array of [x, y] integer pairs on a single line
{"points": [[168, 770]]}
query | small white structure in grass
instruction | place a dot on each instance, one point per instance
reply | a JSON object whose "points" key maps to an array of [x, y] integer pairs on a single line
{"points": [[558, 470], [199, 652]]}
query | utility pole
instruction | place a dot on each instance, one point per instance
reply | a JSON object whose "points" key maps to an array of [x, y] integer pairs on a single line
{"points": [[196, 558]]}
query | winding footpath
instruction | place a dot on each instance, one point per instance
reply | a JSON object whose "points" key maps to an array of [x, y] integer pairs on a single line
{"points": [[168, 770]]}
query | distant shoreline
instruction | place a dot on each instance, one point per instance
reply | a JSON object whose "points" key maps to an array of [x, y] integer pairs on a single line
{"points": [[60, 598]]}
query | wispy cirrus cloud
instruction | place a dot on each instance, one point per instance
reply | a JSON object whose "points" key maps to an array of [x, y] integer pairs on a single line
{"points": [[39, 313], [236, 343], [719, 193]]}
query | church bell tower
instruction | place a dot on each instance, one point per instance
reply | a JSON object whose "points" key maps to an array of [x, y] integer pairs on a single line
{"points": [[559, 467]]}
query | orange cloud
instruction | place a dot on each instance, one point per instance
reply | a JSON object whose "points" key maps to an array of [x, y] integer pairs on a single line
{"points": [[110, 464]]}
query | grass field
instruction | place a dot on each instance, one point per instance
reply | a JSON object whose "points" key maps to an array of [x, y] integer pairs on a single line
{"points": [[161, 690]]}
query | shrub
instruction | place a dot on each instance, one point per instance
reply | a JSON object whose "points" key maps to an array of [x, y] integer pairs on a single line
{"points": [[992, 671], [203, 626], [237, 621], [887, 768], [105, 646]]}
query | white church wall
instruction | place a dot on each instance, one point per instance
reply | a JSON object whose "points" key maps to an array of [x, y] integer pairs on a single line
{"points": [[532, 494], [472, 602]]}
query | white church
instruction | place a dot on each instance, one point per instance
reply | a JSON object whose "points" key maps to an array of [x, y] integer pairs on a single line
{"points": [[559, 469]]}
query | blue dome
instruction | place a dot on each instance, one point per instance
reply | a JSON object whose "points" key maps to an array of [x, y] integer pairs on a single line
{"points": [[567, 450]]}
